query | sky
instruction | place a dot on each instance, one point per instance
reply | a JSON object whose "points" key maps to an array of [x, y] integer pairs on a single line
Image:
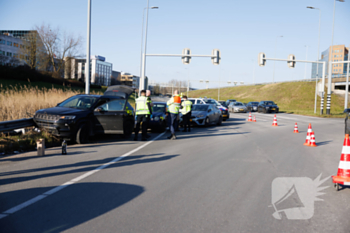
{"points": [[240, 29]]}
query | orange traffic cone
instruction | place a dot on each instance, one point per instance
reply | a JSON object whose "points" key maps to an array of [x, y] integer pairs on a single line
{"points": [[308, 134], [274, 121], [343, 176], [250, 116], [296, 128], [254, 120], [312, 139]]}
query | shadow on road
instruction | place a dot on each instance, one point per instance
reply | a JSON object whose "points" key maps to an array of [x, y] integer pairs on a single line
{"points": [[78, 167], [323, 143], [68, 208]]}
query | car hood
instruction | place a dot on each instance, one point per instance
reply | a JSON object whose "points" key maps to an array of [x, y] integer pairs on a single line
{"points": [[158, 114], [119, 90], [197, 113], [61, 111]]}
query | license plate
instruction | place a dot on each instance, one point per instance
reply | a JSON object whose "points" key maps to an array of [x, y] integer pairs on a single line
{"points": [[241, 110], [224, 115], [273, 109]]}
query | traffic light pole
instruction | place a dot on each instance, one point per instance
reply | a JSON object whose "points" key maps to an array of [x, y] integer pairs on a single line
{"points": [[323, 74]]}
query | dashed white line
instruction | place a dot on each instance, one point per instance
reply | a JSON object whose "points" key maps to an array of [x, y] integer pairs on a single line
{"points": [[62, 186]]}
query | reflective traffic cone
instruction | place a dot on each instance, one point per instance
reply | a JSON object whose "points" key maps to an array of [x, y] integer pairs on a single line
{"points": [[308, 134], [250, 116], [343, 176], [274, 121], [312, 139], [254, 120], [296, 128]]}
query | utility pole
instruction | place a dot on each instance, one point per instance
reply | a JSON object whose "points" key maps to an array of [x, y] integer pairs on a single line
{"points": [[87, 68]]}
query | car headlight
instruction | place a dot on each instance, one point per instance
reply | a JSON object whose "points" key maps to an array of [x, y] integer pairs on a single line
{"points": [[267, 107], [67, 117], [156, 118]]}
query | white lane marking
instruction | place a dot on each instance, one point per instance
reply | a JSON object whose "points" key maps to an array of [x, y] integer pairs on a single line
{"points": [[62, 186], [344, 165]]}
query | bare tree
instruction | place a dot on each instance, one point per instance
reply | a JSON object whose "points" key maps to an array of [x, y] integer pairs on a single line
{"points": [[58, 47]]}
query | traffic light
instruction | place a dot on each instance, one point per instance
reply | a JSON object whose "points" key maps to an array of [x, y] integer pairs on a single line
{"points": [[216, 56], [261, 59], [186, 56], [291, 64]]}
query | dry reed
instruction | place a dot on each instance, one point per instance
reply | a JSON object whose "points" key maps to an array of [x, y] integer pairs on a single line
{"points": [[18, 102]]}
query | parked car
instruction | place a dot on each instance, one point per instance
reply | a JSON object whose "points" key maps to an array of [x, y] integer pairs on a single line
{"points": [[196, 100], [223, 103], [252, 106], [81, 116], [237, 107], [205, 114], [224, 110], [267, 107], [158, 121], [229, 101]]}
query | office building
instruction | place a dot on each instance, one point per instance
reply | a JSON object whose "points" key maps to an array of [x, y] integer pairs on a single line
{"points": [[100, 70], [340, 53]]}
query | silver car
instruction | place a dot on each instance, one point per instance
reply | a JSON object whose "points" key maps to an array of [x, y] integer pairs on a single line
{"points": [[237, 107], [205, 114]]}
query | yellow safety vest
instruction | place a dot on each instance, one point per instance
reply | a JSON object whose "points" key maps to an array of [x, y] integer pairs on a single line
{"points": [[174, 104], [141, 106], [187, 105]]}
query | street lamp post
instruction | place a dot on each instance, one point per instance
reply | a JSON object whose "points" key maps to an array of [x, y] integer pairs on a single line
{"points": [[143, 17], [305, 60], [273, 76], [330, 67], [88, 44], [143, 65], [318, 53]]}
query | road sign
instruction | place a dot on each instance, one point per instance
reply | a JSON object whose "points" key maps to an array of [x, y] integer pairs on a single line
{"points": [[261, 59]]}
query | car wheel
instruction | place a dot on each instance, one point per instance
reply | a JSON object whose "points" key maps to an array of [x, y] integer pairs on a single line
{"points": [[219, 121], [127, 128], [265, 111], [207, 121], [82, 134]]}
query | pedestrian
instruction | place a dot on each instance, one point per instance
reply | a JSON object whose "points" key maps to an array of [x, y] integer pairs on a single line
{"points": [[174, 107], [186, 107], [143, 113], [148, 95]]}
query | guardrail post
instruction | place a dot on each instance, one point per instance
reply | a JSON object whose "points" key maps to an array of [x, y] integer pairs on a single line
{"points": [[40, 145]]}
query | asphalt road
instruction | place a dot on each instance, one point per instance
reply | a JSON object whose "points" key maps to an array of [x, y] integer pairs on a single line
{"points": [[215, 179]]}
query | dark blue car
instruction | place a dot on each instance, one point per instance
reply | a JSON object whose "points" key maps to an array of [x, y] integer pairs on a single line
{"points": [[159, 117]]}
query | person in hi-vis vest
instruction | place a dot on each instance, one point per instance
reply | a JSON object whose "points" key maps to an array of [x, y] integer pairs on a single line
{"points": [[143, 114], [186, 107], [174, 107]]}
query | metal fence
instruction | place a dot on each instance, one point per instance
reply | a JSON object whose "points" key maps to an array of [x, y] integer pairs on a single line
{"points": [[7, 126]]}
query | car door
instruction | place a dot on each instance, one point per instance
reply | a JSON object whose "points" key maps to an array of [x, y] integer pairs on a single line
{"points": [[109, 116]]}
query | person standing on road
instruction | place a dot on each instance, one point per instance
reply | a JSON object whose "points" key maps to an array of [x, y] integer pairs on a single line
{"points": [[174, 107], [143, 113], [186, 107]]}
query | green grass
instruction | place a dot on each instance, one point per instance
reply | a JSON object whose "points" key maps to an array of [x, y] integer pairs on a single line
{"points": [[293, 97]]}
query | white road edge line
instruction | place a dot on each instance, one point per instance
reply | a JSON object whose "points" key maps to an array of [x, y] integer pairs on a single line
{"points": [[62, 186]]}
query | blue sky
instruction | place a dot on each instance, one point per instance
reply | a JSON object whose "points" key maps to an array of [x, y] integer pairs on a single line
{"points": [[240, 29]]}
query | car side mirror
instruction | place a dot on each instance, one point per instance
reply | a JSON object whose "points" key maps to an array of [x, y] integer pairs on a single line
{"points": [[346, 110], [209, 110]]}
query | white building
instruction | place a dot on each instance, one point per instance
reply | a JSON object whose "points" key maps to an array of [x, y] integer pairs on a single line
{"points": [[100, 70]]}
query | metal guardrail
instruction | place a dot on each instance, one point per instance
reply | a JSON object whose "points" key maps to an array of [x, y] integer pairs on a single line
{"points": [[6, 126]]}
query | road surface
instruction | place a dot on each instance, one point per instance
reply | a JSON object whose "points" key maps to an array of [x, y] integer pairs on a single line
{"points": [[215, 179]]}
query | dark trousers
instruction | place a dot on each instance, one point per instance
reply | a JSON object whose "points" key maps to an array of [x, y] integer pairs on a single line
{"points": [[187, 123], [144, 119], [173, 122]]}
